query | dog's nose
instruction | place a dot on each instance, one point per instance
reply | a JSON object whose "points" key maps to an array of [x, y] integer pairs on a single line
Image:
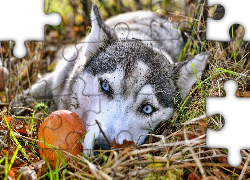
{"points": [[101, 144]]}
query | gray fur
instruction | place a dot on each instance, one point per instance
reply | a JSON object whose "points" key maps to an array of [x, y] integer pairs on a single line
{"points": [[139, 67]]}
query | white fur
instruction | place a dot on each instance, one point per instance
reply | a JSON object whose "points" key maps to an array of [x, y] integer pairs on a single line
{"points": [[187, 75], [119, 116]]}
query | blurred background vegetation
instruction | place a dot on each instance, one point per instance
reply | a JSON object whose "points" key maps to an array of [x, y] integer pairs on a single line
{"points": [[76, 13]]}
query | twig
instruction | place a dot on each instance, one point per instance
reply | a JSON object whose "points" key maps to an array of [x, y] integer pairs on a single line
{"points": [[197, 160], [28, 49], [103, 133], [201, 16], [8, 99], [199, 23], [2, 60], [192, 121], [94, 169], [245, 166], [3, 145], [178, 167], [48, 6]]}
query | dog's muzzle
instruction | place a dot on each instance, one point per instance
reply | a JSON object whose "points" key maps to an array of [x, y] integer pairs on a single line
{"points": [[100, 144]]}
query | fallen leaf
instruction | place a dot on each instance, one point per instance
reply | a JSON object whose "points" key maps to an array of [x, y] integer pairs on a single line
{"points": [[200, 127], [3, 50], [40, 167], [125, 144], [21, 129], [18, 161], [243, 94], [220, 175], [221, 159], [27, 173], [8, 119], [11, 174], [53, 35], [211, 178], [4, 74], [246, 94], [193, 176]]}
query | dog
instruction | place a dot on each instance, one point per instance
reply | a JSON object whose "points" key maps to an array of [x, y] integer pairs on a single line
{"points": [[125, 75]]}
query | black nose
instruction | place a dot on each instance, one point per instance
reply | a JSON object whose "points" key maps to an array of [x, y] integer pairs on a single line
{"points": [[100, 144]]}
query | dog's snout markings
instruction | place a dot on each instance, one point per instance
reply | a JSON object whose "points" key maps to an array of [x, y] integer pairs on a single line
{"points": [[235, 110], [100, 145]]}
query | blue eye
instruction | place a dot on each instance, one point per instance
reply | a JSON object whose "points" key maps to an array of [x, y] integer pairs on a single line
{"points": [[105, 86], [148, 109]]}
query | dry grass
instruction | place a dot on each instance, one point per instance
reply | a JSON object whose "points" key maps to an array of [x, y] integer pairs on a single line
{"points": [[173, 151]]}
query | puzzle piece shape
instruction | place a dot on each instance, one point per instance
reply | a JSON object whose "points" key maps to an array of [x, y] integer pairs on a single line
{"points": [[28, 22], [235, 110], [218, 29]]}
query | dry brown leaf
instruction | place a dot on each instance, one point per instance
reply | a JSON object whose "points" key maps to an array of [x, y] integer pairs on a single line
{"points": [[34, 171], [193, 176], [246, 94], [27, 173], [220, 175], [22, 130], [211, 178], [125, 144], [40, 167], [243, 94], [200, 127], [18, 161], [221, 159], [11, 173], [8, 118]]}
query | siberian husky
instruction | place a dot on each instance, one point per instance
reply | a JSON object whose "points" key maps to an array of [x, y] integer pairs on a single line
{"points": [[125, 75]]}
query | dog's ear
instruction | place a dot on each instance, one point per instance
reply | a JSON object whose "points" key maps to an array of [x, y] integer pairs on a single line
{"points": [[100, 33], [185, 72]]}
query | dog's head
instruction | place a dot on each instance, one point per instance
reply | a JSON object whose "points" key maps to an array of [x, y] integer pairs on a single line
{"points": [[126, 85]]}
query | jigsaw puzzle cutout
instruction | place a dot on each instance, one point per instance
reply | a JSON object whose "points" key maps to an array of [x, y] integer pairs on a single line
{"points": [[29, 22], [218, 29], [126, 28], [235, 111]]}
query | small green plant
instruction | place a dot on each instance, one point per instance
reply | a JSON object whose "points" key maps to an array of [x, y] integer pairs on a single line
{"points": [[15, 139], [42, 106]]}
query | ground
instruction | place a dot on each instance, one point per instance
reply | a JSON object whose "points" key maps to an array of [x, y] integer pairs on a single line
{"points": [[176, 150]]}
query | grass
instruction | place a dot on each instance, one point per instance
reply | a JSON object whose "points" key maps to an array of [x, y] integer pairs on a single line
{"points": [[16, 141], [178, 148]]}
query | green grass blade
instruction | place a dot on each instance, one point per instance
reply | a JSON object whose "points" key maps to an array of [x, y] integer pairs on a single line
{"points": [[6, 169], [2, 160], [16, 141], [198, 81], [209, 78], [19, 176], [13, 157]]}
